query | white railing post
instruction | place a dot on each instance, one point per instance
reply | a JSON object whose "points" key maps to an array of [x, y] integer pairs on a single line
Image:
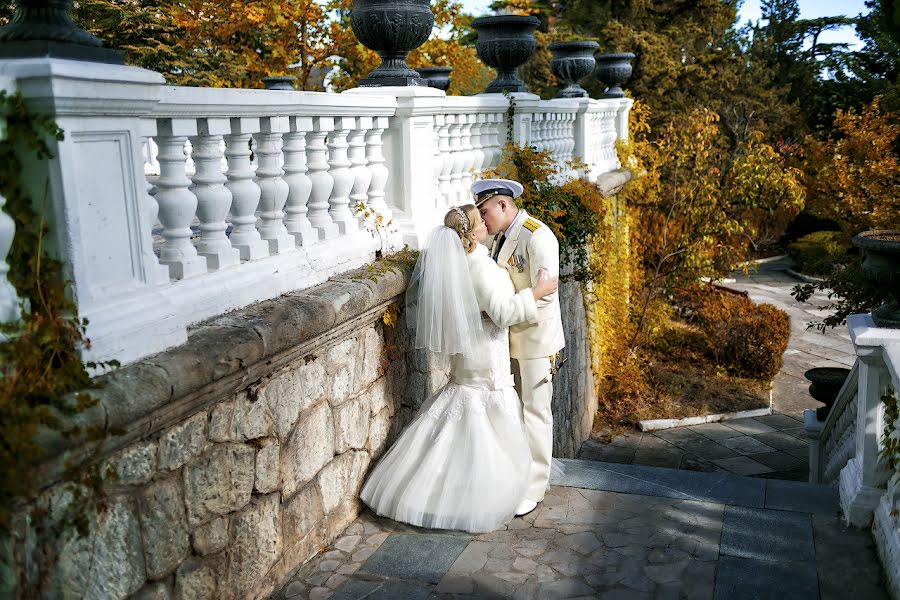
{"points": [[213, 198], [9, 302], [322, 182], [299, 185], [273, 189], [245, 193], [338, 159], [526, 106]]}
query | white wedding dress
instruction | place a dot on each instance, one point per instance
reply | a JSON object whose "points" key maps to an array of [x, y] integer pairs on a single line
{"points": [[463, 462]]}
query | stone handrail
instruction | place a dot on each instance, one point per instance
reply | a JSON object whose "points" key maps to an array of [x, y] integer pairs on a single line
{"points": [[837, 441], [172, 205]]}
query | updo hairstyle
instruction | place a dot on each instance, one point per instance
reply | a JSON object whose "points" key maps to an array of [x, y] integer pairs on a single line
{"points": [[463, 227]]}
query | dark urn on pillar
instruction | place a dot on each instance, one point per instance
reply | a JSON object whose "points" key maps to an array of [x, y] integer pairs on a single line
{"points": [[613, 70], [392, 28], [505, 42], [436, 77], [825, 384], [572, 62], [881, 264], [279, 82], [45, 28]]}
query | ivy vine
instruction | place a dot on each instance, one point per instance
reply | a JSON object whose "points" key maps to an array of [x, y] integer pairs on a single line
{"points": [[891, 449], [43, 382]]}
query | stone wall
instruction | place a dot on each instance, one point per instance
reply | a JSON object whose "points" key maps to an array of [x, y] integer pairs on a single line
{"points": [[244, 450]]}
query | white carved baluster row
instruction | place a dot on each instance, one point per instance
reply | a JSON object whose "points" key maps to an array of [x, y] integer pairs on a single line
{"points": [[213, 198], [299, 183]]}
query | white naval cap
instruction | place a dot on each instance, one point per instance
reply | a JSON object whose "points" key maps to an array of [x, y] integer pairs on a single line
{"points": [[488, 188]]}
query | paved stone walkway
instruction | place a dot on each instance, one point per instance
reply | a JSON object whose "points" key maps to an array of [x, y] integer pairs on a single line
{"points": [[773, 446], [615, 531]]}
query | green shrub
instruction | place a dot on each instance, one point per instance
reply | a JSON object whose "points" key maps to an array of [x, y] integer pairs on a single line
{"points": [[745, 338], [816, 253]]}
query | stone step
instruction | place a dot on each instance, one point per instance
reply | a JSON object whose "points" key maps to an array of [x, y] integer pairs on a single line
{"points": [[724, 488]]}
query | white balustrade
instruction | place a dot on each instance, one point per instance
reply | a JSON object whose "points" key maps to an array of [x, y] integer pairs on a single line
{"points": [[177, 204], [377, 168], [9, 303], [219, 198], [213, 198], [245, 192], [359, 167], [323, 182], [299, 183], [273, 188]]}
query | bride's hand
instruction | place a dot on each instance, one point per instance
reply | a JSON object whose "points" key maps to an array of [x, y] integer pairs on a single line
{"points": [[544, 286]]}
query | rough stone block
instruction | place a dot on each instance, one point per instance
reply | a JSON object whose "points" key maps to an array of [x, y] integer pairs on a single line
{"points": [[107, 563], [195, 581], [181, 443], [211, 537], [351, 424], [268, 469], [378, 396], [135, 464], [153, 591], [341, 364], [379, 430], [239, 420], [219, 482], [255, 542], [301, 514], [164, 527], [370, 366], [291, 392], [309, 448], [342, 478]]}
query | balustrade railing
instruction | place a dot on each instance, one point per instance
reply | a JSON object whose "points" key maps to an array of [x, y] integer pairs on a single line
{"points": [[9, 305], [175, 204]]}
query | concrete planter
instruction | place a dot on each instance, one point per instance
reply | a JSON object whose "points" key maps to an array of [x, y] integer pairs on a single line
{"points": [[436, 77], [505, 42], [826, 382], [881, 264], [572, 62], [613, 70], [392, 28]]}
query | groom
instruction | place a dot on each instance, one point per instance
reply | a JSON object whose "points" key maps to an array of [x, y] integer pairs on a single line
{"points": [[522, 245]]}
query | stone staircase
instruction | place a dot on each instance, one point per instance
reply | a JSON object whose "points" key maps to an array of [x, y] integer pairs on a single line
{"points": [[610, 530]]}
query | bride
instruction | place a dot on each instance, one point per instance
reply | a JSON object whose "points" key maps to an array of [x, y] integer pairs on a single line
{"points": [[463, 462]]}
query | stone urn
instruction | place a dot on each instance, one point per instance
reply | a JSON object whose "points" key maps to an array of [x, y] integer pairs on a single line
{"points": [[572, 62], [505, 42], [279, 82], [436, 77], [613, 70], [881, 264], [825, 384], [392, 28]]}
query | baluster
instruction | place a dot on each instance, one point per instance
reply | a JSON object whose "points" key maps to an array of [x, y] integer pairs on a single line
{"points": [[553, 142], [177, 204], [444, 183], [273, 189], [9, 303], [478, 128], [458, 158], [465, 141], [375, 157], [317, 163], [362, 176], [437, 162], [155, 273], [494, 144], [213, 198], [245, 193], [299, 184], [570, 137], [339, 200]]}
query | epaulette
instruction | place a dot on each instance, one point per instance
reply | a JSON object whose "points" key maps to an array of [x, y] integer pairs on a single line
{"points": [[531, 225]]}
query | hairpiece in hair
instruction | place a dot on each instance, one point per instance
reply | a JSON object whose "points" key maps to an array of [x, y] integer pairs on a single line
{"points": [[463, 219]]}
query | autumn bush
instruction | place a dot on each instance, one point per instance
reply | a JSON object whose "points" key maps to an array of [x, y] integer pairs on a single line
{"points": [[745, 338], [817, 253]]}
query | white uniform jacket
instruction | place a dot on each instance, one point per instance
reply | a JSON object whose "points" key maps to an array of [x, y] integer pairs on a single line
{"points": [[531, 246]]}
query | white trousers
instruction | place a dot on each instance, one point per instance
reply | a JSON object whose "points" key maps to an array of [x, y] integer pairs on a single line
{"points": [[535, 389]]}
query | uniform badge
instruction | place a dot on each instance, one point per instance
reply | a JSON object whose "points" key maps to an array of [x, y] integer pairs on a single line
{"points": [[517, 262]]}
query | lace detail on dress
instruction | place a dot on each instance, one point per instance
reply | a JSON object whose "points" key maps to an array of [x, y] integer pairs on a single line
{"points": [[455, 401]]}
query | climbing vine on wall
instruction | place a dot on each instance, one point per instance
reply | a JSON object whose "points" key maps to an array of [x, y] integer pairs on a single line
{"points": [[43, 382]]}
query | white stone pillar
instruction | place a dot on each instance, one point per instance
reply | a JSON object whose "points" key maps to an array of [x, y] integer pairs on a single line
{"points": [[445, 157], [213, 198], [338, 159], [299, 184], [245, 192], [9, 302], [478, 144], [322, 182], [458, 158], [526, 105], [581, 131], [273, 189], [362, 175], [376, 160], [622, 111], [465, 140], [177, 204], [97, 209]]}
